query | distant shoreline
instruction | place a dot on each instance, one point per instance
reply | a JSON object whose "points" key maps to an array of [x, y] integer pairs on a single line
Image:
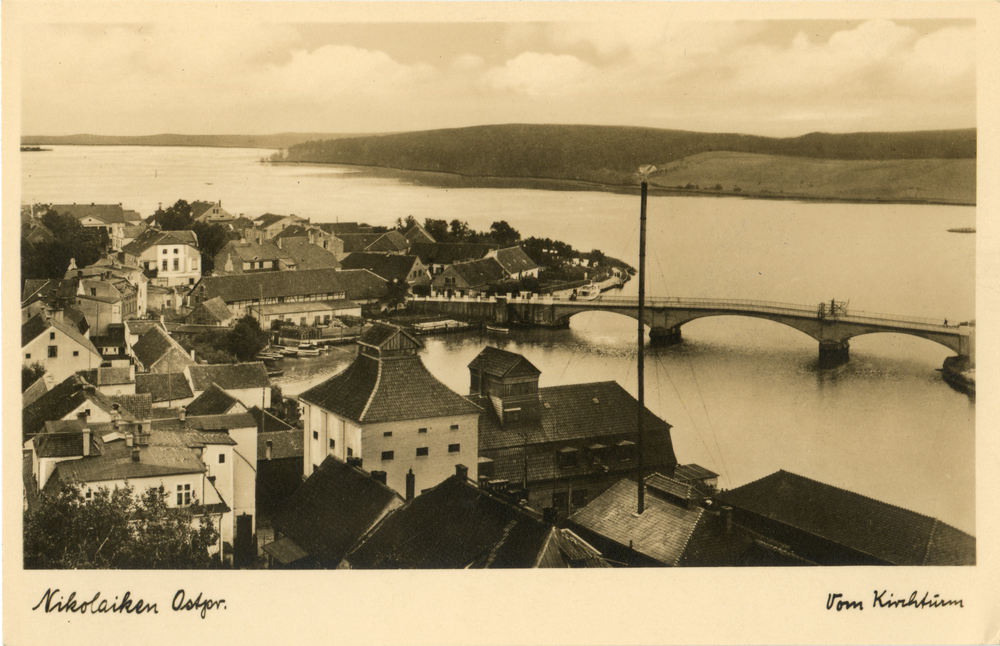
{"points": [[442, 179]]}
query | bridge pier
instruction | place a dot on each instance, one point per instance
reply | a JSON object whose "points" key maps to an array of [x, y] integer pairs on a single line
{"points": [[659, 336], [833, 353]]}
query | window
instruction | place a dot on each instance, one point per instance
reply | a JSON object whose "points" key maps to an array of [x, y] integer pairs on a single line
{"points": [[164, 265], [76, 353], [332, 444], [53, 351], [315, 435], [175, 250], [350, 452], [194, 264], [88, 495], [421, 430], [183, 495], [52, 336], [177, 264], [454, 448], [422, 451], [146, 264], [164, 252], [222, 458], [27, 355], [454, 427], [387, 434], [387, 455], [93, 291]]}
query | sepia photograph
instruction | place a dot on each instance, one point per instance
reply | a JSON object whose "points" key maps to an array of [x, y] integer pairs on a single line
{"points": [[492, 286]]}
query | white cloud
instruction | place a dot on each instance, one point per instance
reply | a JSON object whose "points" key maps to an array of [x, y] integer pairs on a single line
{"points": [[536, 74]]}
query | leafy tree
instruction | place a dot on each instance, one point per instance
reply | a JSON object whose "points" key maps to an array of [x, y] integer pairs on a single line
{"points": [[246, 339], [460, 231], [504, 234], [116, 529], [437, 228], [30, 374], [211, 239], [395, 294], [407, 224], [72, 240], [175, 218]]}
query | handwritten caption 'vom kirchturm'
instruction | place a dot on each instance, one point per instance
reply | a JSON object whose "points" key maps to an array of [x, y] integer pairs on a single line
{"points": [[886, 599]]}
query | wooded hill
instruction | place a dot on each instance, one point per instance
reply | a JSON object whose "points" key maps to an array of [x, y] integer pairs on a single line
{"points": [[280, 140]]}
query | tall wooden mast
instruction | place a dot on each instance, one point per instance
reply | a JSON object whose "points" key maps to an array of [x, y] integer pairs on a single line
{"points": [[643, 174]]}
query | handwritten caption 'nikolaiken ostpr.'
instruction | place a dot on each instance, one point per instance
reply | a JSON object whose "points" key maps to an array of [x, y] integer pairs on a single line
{"points": [[54, 601]]}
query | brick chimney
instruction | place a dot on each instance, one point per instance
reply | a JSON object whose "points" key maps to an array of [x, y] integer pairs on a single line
{"points": [[462, 472], [135, 453], [86, 442], [727, 518], [411, 485], [380, 476], [182, 414]]}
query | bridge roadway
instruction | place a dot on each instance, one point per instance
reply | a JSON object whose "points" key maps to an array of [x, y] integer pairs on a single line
{"points": [[665, 316]]}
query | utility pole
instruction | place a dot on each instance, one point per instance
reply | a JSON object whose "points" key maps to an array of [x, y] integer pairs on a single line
{"points": [[643, 175]]}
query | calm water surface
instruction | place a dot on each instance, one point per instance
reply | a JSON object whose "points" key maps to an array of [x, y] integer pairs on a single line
{"points": [[744, 396]]}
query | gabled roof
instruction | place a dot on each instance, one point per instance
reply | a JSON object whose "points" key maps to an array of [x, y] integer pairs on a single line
{"points": [[499, 363], [456, 525], [478, 273], [295, 231], [63, 440], [206, 429], [199, 208], [660, 533], [39, 324], [138, 327], [356, 284], [267, 423], [390, 241], [163, 387], [214, 401], [36, 289], [229, 376], [217, 308], [153, 237], [886, 532], [241, 222], [330, 512], [266, 220], [307, 255], [156, 345], [372, 390], [379, 334], [109, 213], [514, 260], [139, 406], [444, 253], [357, 241], [417, 233], [388, 266], [62, 399], [34, 391], [250, 250]]}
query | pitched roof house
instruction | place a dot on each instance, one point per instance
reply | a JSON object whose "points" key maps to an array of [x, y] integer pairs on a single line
{"points": [[438, 255], [457, 525], [157, 351], [170, 257], [211, 212], [516, 263], [388, 242], [564, 444], [333, 509], [58, 346], [214, 401], [388, 409], [470, 277], [72, 398], [279, 462], [248, 382], [833, 526], [417, 233], [303, 255], [211, 312], [393, 268], [244, 255], [166, 389]]}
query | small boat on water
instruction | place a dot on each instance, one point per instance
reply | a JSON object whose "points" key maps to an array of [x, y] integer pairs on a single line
{"points": [[963, 230], [496, 329], [308, 352], [276, 373], [588, 292]]}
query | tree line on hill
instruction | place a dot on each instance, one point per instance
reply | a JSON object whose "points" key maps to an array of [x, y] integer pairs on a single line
{"points": [[607, 154]]}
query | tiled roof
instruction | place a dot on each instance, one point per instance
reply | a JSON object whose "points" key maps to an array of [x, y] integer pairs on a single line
{"points": [[514, 260], [337, 228], [355, 284], [661, 533], [293, 231], [61, 400], [381, 333], [250, 250], [38, 324], [218, 309], [372, 391], [139, 406], [153, 237], [109, 213], [199, 208], [266, 423], [307, 307], [578, 552], [668, 487], [212, 429], [307, 255], [164, 387], [333, 509], [156, 345], [693, 472], [886, 532], [64, 444], [443, 253], [230, 376], [389, 242], [138, 327], [34, 391], [477, 273], [266, 220], [115, 463], [417, 233], [358, 241], [284, 444], [214, 401], [455, 525], [388, 266], [107, 376], [497, 362], [241, 222]]}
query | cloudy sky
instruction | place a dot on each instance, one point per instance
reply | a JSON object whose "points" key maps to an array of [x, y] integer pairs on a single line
{"points": [[779, 78]]}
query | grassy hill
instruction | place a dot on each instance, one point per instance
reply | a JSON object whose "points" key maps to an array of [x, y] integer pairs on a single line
{"points": [[899, 180], [280, 140]]}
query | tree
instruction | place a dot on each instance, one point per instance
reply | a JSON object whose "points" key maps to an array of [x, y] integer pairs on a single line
{"points": [[246, 339], [407, 224], [71, 240], [460, 230], [115, 529], [211, 239], [30, 374], [437, 228], [504, 234], [175, 218]]}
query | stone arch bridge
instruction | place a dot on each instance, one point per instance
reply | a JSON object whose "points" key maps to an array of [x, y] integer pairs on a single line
{"points": [[665, 316]]}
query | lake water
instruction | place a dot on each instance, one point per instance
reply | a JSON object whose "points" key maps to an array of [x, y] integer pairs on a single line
{"points": [[744, 396]]}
